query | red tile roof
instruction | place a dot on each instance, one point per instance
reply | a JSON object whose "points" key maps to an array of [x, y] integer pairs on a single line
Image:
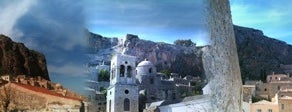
{"points": [[45, 91]]}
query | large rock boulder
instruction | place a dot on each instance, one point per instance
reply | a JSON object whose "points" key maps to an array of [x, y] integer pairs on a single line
{"points": [[260, 55], [16, 59]]}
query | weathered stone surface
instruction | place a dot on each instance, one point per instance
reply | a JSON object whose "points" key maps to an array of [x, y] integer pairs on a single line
{"points": [[174, 58], [260, 55], [16, 59], [220, 59]]}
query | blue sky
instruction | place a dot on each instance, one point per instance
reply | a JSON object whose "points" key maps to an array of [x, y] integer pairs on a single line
{"points": [[162, 21], [55, 27], [273, 17]]}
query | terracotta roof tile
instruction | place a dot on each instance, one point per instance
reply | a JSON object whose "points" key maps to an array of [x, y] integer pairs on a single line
{"points": [[45, 91]]}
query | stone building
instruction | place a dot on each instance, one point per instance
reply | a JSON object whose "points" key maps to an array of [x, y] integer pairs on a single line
{"points": [[277, 104], [198, 103], [152, 85], [38, 94], [96, 89], [248, 91], [122, 94], [285, 103], [187, 86], [274, 84], [31, 98], [264, 106]]}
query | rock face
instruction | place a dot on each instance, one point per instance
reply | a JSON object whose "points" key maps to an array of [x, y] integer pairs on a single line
{"points": [[167, 57], [260, 55], [16, 59], [220, 59]]}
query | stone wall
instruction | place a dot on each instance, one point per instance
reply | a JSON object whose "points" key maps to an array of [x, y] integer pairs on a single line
{"points": [[220, 59], [26, 99]]}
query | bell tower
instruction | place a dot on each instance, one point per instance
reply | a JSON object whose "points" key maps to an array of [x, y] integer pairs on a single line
{"points": [[122, 94]]}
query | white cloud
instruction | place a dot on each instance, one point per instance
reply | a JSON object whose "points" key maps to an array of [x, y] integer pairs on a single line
{"points": [[10, 12], [201, 38]]}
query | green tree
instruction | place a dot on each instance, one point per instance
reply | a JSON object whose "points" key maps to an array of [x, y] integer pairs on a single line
{"points": [[103, 75], [166, 72], [186, 43]]}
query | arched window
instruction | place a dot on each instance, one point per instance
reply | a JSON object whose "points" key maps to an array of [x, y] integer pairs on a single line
{"points": [[173, 96], [122, 71], [112, 74], [126, 104], [150, 70], [151, 80], [129, 71]]}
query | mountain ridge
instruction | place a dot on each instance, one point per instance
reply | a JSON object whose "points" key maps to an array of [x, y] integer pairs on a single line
{"points": [[259, 55]]}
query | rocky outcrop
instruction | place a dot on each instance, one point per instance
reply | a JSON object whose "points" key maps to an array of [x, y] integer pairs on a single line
{"points": [[167, 57], [260, 55], [16, 59]]}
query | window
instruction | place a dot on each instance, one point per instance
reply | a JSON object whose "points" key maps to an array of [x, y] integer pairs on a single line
{"points": [[151, 81], [126, 104], [173, 96], [126, 91], [259, 110], [150, 70], [270, 110], [112, 74], [265, 89], [166, 94], [282, 106], [129, 71], [122, 71], [279, 87]]}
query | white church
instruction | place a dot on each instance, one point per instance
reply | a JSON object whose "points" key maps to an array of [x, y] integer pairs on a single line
{"points": [[122, 94]]}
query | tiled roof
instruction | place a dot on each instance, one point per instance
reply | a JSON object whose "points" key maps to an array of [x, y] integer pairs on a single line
{"points": [[45, 91]]}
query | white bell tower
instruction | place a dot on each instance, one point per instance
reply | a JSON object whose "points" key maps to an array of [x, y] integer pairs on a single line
{"points": [[122, 94]]}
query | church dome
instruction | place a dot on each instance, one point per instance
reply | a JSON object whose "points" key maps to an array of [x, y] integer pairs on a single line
{"points": [[145, 63], [145, 68]]}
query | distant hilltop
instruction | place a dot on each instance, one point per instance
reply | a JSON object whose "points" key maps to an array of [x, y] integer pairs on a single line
{"points": [[258, 54], [17, 59]]}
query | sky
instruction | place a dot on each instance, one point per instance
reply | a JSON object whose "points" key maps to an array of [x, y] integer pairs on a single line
{"points": [[160, 21], [273, 17], [55, 27]]}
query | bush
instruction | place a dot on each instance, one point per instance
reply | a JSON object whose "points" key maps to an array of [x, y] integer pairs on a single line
{"points": [[103, 75], [186, 43]]}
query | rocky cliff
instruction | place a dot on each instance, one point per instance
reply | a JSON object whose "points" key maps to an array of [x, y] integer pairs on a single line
{"points": [[16, 59], [166, 57], [258, 54]]}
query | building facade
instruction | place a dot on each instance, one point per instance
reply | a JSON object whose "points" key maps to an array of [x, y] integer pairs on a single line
{"points": [[122, 94], [152, 85]]}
